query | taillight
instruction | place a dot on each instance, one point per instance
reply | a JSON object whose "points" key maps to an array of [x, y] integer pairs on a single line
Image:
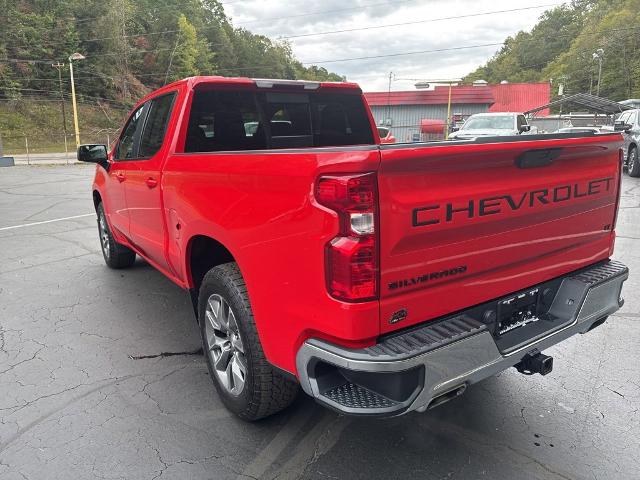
{"points": [[352, 256]]}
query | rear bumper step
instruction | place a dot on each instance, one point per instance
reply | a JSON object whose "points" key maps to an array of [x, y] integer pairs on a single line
{"points": [[427, 366]]}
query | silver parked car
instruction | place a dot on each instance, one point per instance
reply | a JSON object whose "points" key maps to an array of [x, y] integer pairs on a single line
{"points": [[629, 124]]}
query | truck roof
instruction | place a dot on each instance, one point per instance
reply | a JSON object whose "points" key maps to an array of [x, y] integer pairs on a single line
{"points": [[256, 83], [263, 82]]}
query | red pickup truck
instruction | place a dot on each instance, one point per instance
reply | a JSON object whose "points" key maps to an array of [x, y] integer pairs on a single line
{"points": [[381, 279]]}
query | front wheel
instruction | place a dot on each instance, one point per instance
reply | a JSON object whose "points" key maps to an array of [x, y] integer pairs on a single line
{"points": [[247, 384], [633, 165], [115, 255]]}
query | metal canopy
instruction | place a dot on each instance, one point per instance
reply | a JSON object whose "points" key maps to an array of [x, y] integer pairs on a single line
{"points": [[584, 100]]}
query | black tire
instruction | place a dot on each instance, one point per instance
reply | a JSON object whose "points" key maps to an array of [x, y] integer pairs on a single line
{"points": [[633, 165], [264, 389], [115, 255]]}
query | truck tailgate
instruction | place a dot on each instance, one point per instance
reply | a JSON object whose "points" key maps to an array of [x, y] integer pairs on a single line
{"points": [[462, 224]]}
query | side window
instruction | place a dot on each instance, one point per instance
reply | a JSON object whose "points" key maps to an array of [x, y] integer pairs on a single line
{"points": [[632, 118], [624, 117], [156, 125], [224, 121], [128, 139]]}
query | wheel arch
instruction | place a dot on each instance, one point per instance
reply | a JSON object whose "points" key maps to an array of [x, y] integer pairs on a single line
{"points": [[97, 199], [202, 254]]}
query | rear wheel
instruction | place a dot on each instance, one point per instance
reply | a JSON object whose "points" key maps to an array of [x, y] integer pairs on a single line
{"points": [[115, 255], [247, 384], [633, 165]]}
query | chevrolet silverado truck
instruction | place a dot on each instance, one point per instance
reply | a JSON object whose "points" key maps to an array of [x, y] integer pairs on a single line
{"points": [[381, 279]]}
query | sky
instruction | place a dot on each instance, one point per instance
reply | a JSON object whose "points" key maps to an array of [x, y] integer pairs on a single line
{"points": [[305, 25]]}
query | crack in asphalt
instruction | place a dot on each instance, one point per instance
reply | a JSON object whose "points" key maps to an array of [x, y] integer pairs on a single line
{"points": [[2, 333], [198, 351], [105, 383]]}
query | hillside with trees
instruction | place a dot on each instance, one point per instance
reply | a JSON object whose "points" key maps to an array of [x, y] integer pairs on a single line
{"points": [[561, 47], [131, 47]]}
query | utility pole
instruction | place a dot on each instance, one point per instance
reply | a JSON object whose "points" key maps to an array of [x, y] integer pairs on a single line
{"points": [[59, 66]]}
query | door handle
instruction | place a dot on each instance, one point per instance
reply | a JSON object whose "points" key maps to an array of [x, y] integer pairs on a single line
{"points": [[151, 182], [121, 177]]}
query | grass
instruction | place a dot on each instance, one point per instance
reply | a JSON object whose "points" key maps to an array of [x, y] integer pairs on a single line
{"points": [[41, 123]]}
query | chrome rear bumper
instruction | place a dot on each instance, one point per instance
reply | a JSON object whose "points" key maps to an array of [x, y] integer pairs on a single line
{"points": [[423, 367]]}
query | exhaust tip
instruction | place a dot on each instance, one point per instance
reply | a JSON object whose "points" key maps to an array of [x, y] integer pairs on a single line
{"points": [[447, 396]]}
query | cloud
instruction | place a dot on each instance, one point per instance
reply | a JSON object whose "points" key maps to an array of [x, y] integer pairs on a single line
{"points": [[280, 18]]}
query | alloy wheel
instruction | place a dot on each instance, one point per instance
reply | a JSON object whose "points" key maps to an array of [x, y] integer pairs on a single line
{"points": [[225, 346], [104, 234]]}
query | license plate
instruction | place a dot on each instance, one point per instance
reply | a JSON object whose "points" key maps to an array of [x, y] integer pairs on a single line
{"points": [[518, 311]]}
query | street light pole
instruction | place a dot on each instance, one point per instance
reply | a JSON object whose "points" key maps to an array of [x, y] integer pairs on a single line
{"points": [[599, 75], [599, 54], [75, 56]]}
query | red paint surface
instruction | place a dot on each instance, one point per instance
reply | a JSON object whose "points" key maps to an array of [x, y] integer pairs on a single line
{"points": [[520, 97], [438, 96]]}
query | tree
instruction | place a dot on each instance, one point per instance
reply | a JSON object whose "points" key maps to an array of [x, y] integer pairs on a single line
{"points": [[131, 47]]}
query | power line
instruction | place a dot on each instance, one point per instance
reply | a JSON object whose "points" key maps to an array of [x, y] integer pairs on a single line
{"points": [[400, 54], [67, 95], [415, 22]]}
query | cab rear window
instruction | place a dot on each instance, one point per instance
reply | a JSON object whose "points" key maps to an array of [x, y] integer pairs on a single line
{"points": [[229, 121]]}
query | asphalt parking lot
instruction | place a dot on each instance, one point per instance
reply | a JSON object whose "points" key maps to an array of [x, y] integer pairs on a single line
{"points": [[76, 402]]}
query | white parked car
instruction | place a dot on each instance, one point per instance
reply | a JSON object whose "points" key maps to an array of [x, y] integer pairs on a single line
{"points": [[498, 124]]}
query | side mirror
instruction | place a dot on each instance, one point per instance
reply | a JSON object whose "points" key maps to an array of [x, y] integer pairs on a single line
{"points": [[525, 128], [622, 127], [93, 154], [454, 129]]}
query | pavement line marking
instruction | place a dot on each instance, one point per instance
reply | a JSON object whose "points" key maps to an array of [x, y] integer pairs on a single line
{"points": [[315, 444], [13, 227], [277, 445]]}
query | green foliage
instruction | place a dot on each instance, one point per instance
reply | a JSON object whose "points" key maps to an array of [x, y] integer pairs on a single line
{"points": [[131, 47], [560, 49], [190, 54]]}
